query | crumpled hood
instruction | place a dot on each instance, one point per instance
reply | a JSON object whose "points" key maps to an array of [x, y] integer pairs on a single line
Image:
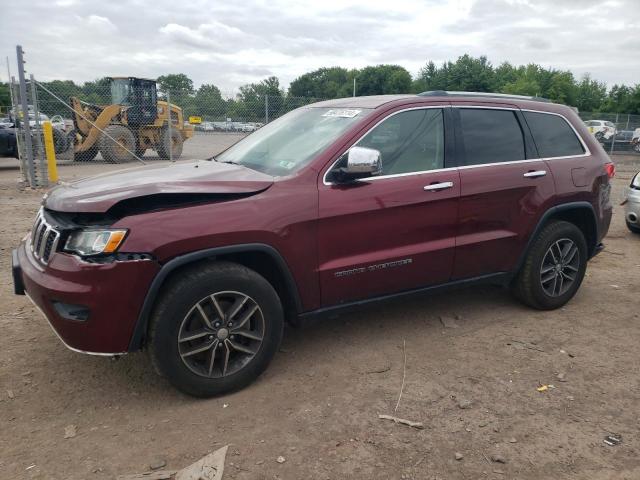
{"points": [[100, 193]]}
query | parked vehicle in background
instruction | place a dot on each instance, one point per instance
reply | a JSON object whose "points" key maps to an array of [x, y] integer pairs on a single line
{"points": [[387, 195], [249, 127], [8, 145], [603, 130], [6, 122], [631, 204], [41, 118], [635, 140]]}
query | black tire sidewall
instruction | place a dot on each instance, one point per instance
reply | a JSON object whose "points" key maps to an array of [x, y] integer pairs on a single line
{"points": [[632, 228], [545, 240], [183, 297], [107, 147]]}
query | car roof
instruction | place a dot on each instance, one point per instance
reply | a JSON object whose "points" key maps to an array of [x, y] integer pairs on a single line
{"points": [[376, 101]]}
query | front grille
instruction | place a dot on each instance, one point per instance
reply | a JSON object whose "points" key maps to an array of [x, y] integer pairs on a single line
{"points": [[44, 239]]}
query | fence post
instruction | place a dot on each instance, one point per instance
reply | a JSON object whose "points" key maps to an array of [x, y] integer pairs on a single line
{"points": [[39, 150], [14, 109], [628, 117], [613, 140], [50, 150], [266, 109], [26, 128], [169, 126]]}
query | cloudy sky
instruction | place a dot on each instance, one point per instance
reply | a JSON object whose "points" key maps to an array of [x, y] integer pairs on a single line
{"points": [[230, 43]]}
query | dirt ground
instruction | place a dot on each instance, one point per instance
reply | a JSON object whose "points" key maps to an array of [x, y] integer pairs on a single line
{"points": [[474, 361]]}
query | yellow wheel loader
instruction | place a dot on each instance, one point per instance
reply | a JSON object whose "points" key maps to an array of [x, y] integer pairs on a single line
{"points": [[135, 121]]}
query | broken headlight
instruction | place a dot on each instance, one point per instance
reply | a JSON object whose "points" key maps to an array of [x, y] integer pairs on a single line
{"points": [[94, 242]]}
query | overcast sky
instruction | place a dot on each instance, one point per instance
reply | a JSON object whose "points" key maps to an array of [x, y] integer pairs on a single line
{"points": [[230, 43]]}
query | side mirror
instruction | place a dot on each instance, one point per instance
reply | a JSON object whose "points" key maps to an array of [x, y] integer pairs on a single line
{"points": [[361, 163]]}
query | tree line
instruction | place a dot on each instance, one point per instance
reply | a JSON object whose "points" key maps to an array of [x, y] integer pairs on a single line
{"points": [[268, 99]]}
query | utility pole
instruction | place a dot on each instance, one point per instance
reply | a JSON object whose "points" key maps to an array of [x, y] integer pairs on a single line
{"points": [[354, 86], [26, 128]]}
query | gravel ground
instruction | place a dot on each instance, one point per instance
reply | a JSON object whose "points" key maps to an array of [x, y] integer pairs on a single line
{"points": [[474, 361]]}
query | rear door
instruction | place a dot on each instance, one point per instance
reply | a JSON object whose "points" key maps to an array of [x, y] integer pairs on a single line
{"points": [[396, 231], [504, 187]]}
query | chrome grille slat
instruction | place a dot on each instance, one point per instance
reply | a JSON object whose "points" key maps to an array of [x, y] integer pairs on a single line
{"points": [[44, 239]]}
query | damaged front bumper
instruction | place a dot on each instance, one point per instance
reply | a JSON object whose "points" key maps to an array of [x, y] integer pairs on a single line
{"points": [[92, 307]]}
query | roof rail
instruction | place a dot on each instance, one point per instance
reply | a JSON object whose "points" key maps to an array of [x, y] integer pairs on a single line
{"points": [[444, 93]]}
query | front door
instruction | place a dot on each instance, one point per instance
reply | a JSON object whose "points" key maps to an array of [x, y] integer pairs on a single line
{"points": [[393, 232], [504, 188]]}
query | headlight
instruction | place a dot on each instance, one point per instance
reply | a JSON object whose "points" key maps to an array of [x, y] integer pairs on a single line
{"points": [[94, 242], [635, 183]]}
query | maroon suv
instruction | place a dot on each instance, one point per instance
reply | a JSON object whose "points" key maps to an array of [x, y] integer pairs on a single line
{"points": [[334, 205]]}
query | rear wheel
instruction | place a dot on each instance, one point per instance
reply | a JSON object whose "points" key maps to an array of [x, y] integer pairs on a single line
{"points": [[554, 267], [171, 142], [215, 329], [116, 144]]}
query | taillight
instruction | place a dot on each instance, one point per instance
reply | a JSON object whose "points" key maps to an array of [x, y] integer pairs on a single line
{"points": [[610, 168]]}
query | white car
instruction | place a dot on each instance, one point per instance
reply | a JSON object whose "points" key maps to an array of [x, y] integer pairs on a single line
{"points": [[635, 140], [603, 130], [631, 204]]}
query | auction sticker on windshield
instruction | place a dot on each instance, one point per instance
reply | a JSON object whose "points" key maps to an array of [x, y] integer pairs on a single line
{"points": [[344, 113]]}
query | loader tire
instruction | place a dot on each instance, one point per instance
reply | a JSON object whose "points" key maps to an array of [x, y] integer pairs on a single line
{"points": [[120, 150], [87, 155], [173, 141]]}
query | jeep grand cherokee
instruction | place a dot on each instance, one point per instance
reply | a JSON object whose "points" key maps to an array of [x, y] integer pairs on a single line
{"points": [[334, 205]]}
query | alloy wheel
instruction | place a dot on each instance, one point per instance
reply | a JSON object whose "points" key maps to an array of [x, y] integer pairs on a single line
{"points": [[221, 334], [560, 267]]}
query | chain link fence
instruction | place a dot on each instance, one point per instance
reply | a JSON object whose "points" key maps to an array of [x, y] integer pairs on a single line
{"points": [[131, 120], [619, 133]]}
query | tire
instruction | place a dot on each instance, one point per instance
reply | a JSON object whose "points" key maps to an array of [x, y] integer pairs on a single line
{"points": [[118, 151], [60, 141], [636, 147], [632, 228], [176, 317], [533, 288], [167, 141], [87, 155]]}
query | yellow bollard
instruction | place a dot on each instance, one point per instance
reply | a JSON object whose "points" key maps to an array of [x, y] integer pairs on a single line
{"points": [[50, 150]]}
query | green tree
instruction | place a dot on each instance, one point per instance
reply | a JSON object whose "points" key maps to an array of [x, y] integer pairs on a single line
{"points": [[383, 79], [251, 102], [333, 82], [178, 84], [5, 97], [97, 91], [208, 103]]}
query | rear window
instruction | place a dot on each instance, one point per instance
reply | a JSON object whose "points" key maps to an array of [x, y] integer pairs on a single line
{"points": [[491, 136], [553, 136]]}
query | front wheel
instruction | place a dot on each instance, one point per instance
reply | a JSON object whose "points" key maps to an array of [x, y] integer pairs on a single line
{"points": [[215, 329], [554, 267]]}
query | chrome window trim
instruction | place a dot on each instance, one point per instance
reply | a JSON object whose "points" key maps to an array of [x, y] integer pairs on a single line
{"points": [[394, 175], [586, 153]]}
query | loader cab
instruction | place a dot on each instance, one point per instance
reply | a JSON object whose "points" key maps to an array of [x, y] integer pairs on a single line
{"points": [[139, 95]]}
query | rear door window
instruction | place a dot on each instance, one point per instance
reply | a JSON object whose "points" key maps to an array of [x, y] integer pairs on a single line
{"points": [[491, 136], [553, 136]]}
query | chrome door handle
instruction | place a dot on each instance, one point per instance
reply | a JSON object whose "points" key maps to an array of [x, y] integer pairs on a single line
{"points": [[438, 186], [535, 174]]}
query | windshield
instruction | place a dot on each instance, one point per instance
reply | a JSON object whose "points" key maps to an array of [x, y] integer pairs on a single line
{"points": [[120, 91], [290, 142]]}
